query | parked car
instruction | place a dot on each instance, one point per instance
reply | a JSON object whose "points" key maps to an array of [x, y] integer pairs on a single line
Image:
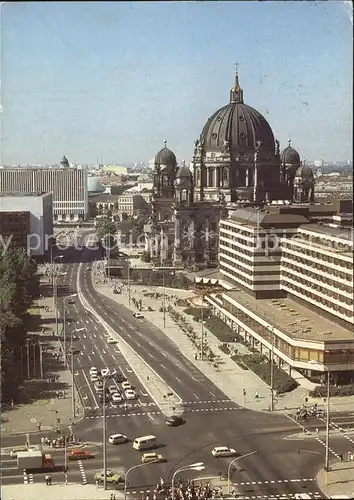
{"points": [[126, 385], [138, 315], [105, 372]]}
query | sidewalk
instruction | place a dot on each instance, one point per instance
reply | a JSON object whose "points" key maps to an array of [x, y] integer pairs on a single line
{"points": [[229, 377], [57, 492], [340, 480], [40, 409]]}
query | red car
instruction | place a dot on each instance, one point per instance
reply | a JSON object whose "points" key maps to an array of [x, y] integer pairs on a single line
{"points": [[80, 455]]}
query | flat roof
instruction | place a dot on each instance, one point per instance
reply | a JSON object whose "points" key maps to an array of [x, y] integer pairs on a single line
{"points": [[21, 194], [292, 318]]}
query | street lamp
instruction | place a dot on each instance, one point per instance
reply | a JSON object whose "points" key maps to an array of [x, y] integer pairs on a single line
{"points": [[126, 476], [232, 462], [64, 325], [326, 467], [55, 292], [164, 294], [72, 370], [272, 373], [197, 466], [107, 377]]}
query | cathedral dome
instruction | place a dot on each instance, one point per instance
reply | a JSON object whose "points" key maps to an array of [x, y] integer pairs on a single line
{"points": [[289, 156], [304, 172], [165, 157], [237, 127], [183, 172]]}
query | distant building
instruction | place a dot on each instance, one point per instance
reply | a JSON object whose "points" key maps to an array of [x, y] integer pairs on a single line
{"points": [[27, 219], [68, 185]]}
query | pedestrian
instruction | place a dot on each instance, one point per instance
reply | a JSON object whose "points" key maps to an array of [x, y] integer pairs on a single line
{"points": [[317, 430], [39, 426], [341, 457], [46, 478], [256, 396]]}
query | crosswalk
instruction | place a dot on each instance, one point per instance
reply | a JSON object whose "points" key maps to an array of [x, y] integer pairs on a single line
{"points": [[186, 410]]}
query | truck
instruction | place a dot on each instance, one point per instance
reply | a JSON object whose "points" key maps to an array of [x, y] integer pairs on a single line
{"points": [[34, 460]]}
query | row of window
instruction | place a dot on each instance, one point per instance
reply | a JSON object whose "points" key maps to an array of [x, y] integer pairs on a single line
{"points": [[292, 255], [326, 242], [331, 259], [304, 276], [317, 299], [246, 262]]}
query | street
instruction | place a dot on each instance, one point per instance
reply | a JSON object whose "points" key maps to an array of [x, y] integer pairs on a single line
{"points": [[285, 461]]}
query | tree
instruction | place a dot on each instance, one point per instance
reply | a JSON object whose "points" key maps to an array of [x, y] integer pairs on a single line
{"points": [[18, 287], [107, 231]]}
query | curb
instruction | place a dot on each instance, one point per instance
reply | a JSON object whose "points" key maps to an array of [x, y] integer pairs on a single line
{"points": [[19, 433]]}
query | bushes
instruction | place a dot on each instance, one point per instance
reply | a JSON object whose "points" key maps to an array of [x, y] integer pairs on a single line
{"points": [[321, 391], [259, 364], [224, 348]]}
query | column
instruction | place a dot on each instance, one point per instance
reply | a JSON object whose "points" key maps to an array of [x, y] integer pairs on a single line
{"points": [[217, 177]]}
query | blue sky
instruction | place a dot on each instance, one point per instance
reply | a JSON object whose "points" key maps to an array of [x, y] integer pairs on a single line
{"points": [[114, 80]]}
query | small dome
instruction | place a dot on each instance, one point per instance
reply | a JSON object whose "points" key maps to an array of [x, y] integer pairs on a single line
{"points": [[304, 172], [165, 157], [64, 162], [289, 156], [183, 172]]}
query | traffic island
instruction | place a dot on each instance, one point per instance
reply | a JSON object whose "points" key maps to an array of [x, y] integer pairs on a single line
{"points": [[339, 480]]}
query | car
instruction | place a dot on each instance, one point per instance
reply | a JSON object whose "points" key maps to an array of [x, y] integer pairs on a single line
{"points": [[112, 389], [117, 398], [119, 377], [80, 455], [93, 371], [117, 439], [71, 301], [112, 478], [138, 315], [98, 386], [223, 451], [130, 394], [74, 350], [105, 372], [126, 385], [174, 421], [110, 340], [94, 378], [152, 457]]}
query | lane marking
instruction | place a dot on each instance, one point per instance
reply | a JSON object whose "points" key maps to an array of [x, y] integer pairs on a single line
{"points": [[194, 394]]}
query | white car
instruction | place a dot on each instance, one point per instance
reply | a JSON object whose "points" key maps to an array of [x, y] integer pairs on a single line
{"points": [[138, 315], [117, 439], [116, 397], [111, 340], [130, 394], [105, 372], [94, 378], [93, 371], [223, 451], [126, 385]]}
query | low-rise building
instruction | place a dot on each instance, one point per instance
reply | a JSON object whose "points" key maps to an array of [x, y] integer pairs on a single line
{"points": [[33, 213]]}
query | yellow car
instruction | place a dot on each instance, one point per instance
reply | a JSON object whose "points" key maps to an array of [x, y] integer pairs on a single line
{"points": [[152, 457]]}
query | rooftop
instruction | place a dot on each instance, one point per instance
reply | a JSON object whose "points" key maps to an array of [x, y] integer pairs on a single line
{"points": [[295, 320], [23, 194]]}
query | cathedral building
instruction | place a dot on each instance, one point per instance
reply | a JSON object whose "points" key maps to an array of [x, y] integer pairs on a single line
{"points": [[236, 162]]}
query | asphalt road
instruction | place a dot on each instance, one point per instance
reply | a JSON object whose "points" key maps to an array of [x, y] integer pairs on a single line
{"points": [[278, 468]]}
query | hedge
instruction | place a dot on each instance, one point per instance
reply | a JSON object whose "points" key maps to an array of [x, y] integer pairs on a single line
{"points": [[258, 363], [321, 391]]}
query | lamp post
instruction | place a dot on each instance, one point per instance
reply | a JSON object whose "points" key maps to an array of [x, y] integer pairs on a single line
{"points": [[272, 374], [64, 325], [51, 259], [104, 438], [232, 462], [126, 476], [128, 262], [55, 292], [164, 298], [197, 466], [202, 332], [327, 426]]}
